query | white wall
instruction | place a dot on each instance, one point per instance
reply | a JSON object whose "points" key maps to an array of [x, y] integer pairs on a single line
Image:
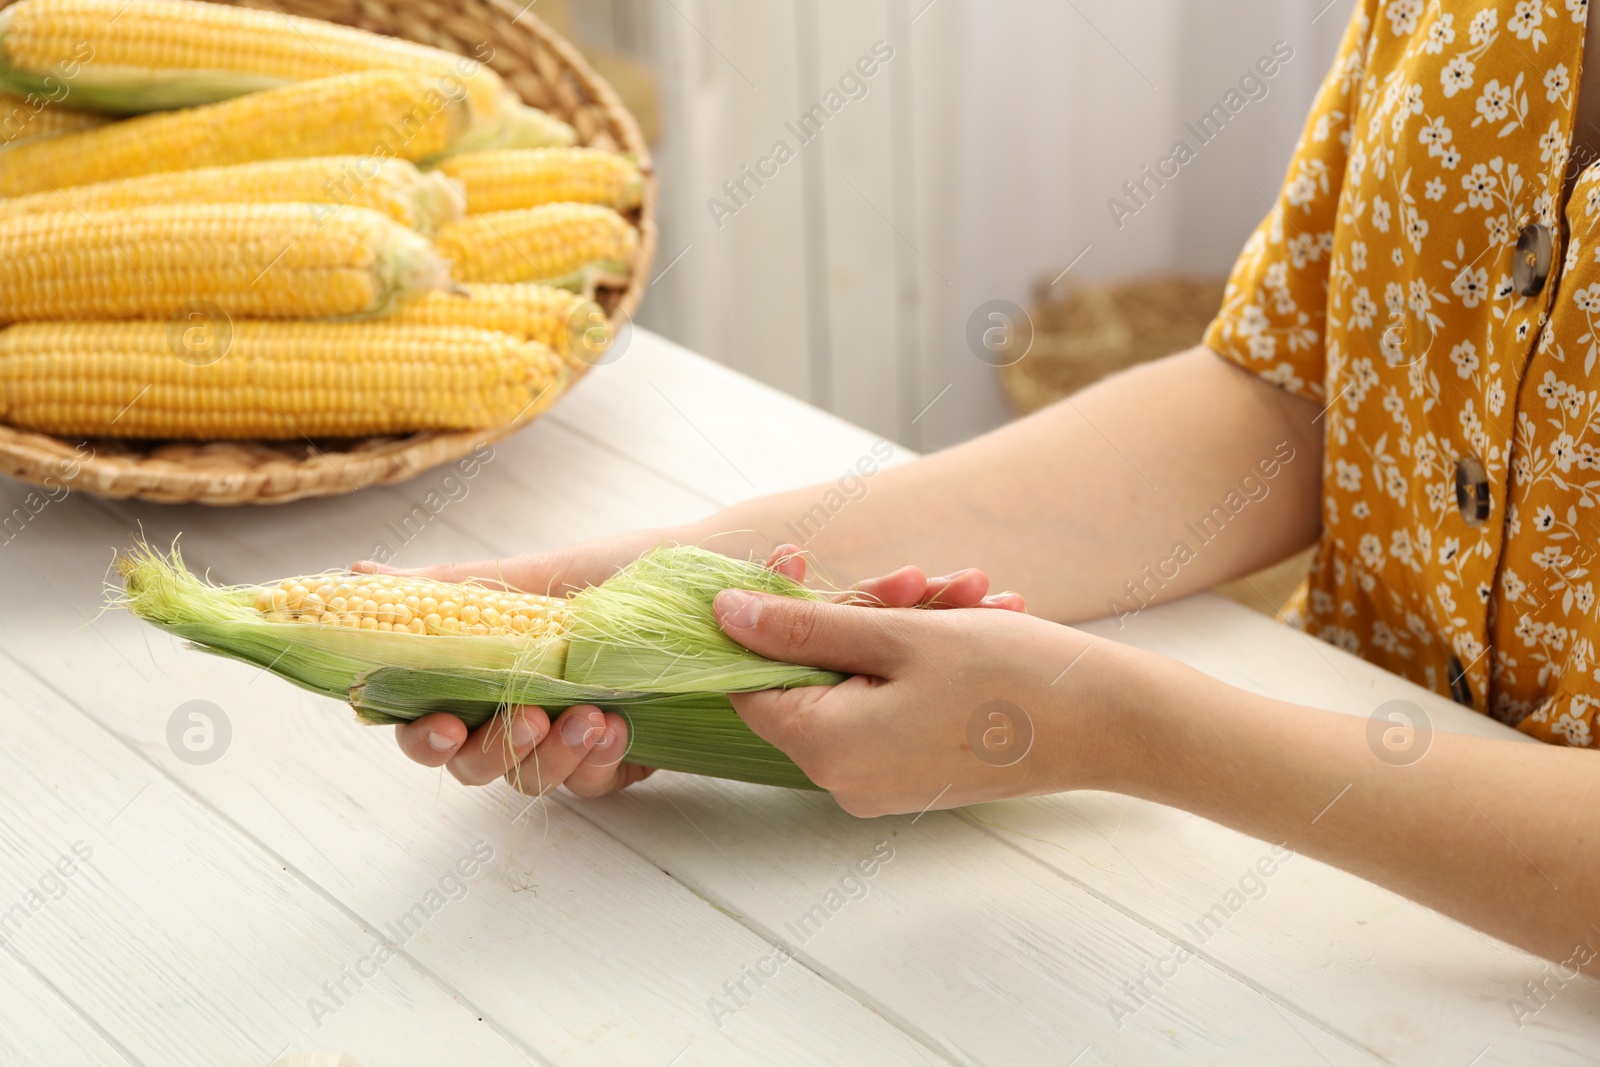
{"points": [[982, 156]]}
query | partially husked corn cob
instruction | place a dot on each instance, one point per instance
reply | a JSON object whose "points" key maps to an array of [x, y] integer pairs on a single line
{"points": [[385, 113], [557, 244], [254, 260], [572, 324], [645, 643], [410, 605], [268, 380], [323, 184], [130, 56], [527, 177], [32, 115]]}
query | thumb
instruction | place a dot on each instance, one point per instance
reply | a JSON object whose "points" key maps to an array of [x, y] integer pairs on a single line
{"points": [[811, 633]]}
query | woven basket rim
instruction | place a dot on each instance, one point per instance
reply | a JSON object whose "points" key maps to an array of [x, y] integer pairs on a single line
{"points": [[57, 464]]}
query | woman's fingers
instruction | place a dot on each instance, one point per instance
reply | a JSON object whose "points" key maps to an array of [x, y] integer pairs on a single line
{"points": [[490, 750], [903, 588], [908, 587], [432, 739], [963, 589], [583, 749], [1005, 602], [579, 733], [603, 770], [789, 561]]}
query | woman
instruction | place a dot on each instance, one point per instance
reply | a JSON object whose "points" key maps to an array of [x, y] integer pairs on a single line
{"points": [[1406, 378]]}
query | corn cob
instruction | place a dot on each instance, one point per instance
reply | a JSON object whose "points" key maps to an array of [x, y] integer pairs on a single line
{"points": [[411, 605], [31, 115], [148, 55], [268, 380], [383, 113], [527, 177], [644, 643], [394, 187], [565, 245], [575, 326], [257, 260]]}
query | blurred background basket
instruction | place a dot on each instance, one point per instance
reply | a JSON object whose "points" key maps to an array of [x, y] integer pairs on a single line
{"points": [[548, 73], [1082, 333]]}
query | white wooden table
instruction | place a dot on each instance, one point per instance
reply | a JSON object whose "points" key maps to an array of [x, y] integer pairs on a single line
{"points": [[302, 891]]}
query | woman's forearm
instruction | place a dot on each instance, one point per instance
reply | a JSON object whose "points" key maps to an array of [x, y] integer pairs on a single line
{"points": [[1495, 833], [1153, 484]]}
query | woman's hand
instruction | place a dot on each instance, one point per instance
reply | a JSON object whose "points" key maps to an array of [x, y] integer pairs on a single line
{"points": [[946, 708]]}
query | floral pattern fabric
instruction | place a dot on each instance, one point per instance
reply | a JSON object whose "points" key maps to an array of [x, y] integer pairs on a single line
{"points": [[1381, 286]]}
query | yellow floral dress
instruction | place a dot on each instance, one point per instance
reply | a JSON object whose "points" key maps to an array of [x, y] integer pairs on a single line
{"points": [[1421, 277]]}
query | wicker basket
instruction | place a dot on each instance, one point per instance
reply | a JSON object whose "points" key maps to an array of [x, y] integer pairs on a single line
{"points": [[546, 72], [1090, 332]]}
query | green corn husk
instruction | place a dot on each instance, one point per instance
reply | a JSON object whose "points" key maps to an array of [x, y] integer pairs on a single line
{"points": [[644, 644]]}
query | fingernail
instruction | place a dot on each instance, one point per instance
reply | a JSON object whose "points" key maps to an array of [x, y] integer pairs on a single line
{"points": [[581, 731], [738, 608], [606, 741], [371, 566], [439, 742], [947, 578], [522, 732]]}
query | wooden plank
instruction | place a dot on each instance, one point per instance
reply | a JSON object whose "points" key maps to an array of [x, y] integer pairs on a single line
{"points": [[184, 942], [1403, 982], [987, 955], [41, 1029], [572, 479], [685, 418]]}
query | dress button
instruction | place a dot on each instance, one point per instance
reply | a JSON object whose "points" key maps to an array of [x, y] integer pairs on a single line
{"points": [[1472, 490], [1460, 691], [1530, 267]]}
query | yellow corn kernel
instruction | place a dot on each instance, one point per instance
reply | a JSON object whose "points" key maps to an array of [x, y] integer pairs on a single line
{"points": [[276, 380], [557, 244], [527, 177]]}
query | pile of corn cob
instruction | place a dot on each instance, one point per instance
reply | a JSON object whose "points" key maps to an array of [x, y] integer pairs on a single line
{"points": [[298, 230]]}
